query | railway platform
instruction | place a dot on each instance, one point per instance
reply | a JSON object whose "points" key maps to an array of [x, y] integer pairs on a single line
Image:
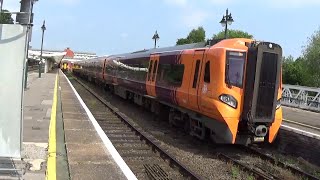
{"points": [[36, 120], [301, 121], [90, 153], [60, 139]]}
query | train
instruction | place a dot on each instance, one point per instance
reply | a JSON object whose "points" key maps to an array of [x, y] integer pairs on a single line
{"points": [[66, 65], [227, 90]]}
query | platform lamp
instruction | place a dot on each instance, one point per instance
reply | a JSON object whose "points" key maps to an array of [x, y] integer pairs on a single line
{"points": [[155, 38], [43, 27], [226, 20]]}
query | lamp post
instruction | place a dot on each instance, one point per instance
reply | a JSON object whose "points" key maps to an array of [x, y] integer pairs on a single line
{"points": [[26, 6], [227, 19], [155, 38], [43, 27], [1, 1]]}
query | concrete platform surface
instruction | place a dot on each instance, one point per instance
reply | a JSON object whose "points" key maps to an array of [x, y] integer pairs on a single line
{"points": [[37, 111], [36, 118], [301, 116], [302, 122]]}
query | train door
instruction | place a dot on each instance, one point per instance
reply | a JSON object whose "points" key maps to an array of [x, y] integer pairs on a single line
{"points": [[194, 79], [152, 75], [205, 87]]}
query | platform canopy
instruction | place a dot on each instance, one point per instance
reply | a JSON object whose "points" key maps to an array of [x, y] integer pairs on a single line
{"points": [[56, 56], [71, 60]]}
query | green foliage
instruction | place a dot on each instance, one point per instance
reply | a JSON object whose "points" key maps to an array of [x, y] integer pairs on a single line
{"points": [[5, 18], [195, 36], [231, 33], [312, 59], [183, 41], [305, 70], [235, 172], [293, 71]]}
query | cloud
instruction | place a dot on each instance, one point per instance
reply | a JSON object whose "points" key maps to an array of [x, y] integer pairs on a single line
{"points": [[124, 35]]}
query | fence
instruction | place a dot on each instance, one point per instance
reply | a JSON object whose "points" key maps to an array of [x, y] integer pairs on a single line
{"points": [[301, 97]]}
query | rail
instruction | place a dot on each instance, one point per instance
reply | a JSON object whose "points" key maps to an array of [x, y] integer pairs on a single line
{"points": [[302, 97], [259, 173], [173, 162], [280, 163]]}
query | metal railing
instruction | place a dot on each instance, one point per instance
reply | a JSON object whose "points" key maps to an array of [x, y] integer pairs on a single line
{"points": [[301, 97]]}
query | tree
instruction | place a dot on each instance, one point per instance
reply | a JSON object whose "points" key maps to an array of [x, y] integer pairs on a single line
{"points": [[181, 41], [312, 59], [293, 71], [195, 36], [233, 34], [5, 17]]}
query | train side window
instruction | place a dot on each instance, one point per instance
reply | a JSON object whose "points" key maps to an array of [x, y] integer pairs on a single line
{"points": [[196, 73], [154, 70], [207, 72], [170, 75]]}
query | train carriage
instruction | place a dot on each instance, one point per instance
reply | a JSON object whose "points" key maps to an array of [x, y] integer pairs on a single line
{"points": [[228, 90]]}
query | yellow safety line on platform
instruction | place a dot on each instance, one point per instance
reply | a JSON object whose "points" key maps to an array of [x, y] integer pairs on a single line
{"points": [[301, 124], [52, 154]]}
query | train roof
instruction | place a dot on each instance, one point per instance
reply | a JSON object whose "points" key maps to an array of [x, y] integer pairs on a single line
{"points": [[148, 52], [164, 49]]}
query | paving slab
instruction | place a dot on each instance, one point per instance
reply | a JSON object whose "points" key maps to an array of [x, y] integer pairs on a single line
{"points": [[301, 116], [36, 119]]}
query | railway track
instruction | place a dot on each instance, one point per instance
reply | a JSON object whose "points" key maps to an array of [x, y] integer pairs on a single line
{"points": [[139, 149], [263, 171], [279, 163], [259, 172]]}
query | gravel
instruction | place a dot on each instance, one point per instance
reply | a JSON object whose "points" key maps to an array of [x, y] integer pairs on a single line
{"points": [[197, 155]]}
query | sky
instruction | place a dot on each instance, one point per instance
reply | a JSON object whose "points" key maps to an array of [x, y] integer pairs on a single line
{"points": [[110, 27]]}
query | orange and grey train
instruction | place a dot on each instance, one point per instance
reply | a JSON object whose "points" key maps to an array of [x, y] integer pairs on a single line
{"points": [[227, 90]]}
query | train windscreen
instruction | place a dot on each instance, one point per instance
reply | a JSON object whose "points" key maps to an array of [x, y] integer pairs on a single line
{"points": [[235, 68]]}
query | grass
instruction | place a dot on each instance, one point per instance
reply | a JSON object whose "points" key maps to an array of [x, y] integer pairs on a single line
{"points": [[235, 172], [290, 161], [250, 177]]}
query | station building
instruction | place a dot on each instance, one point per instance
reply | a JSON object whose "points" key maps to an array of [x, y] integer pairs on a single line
{"points": [[52, 58]]}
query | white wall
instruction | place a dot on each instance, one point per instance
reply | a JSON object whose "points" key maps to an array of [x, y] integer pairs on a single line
{"points": [[12, 58]]}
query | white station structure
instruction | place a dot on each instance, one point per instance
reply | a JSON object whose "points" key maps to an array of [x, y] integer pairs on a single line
{"points": [[52, 57]]}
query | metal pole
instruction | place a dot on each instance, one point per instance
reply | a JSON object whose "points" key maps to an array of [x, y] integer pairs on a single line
{"points": [[40, 62], [155, 43], [226, 27], [28, 43], [1, 9], [1, 5]]}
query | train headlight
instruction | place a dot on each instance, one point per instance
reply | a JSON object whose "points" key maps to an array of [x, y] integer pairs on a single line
{"points": [[278, 104], [229, 100]]}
